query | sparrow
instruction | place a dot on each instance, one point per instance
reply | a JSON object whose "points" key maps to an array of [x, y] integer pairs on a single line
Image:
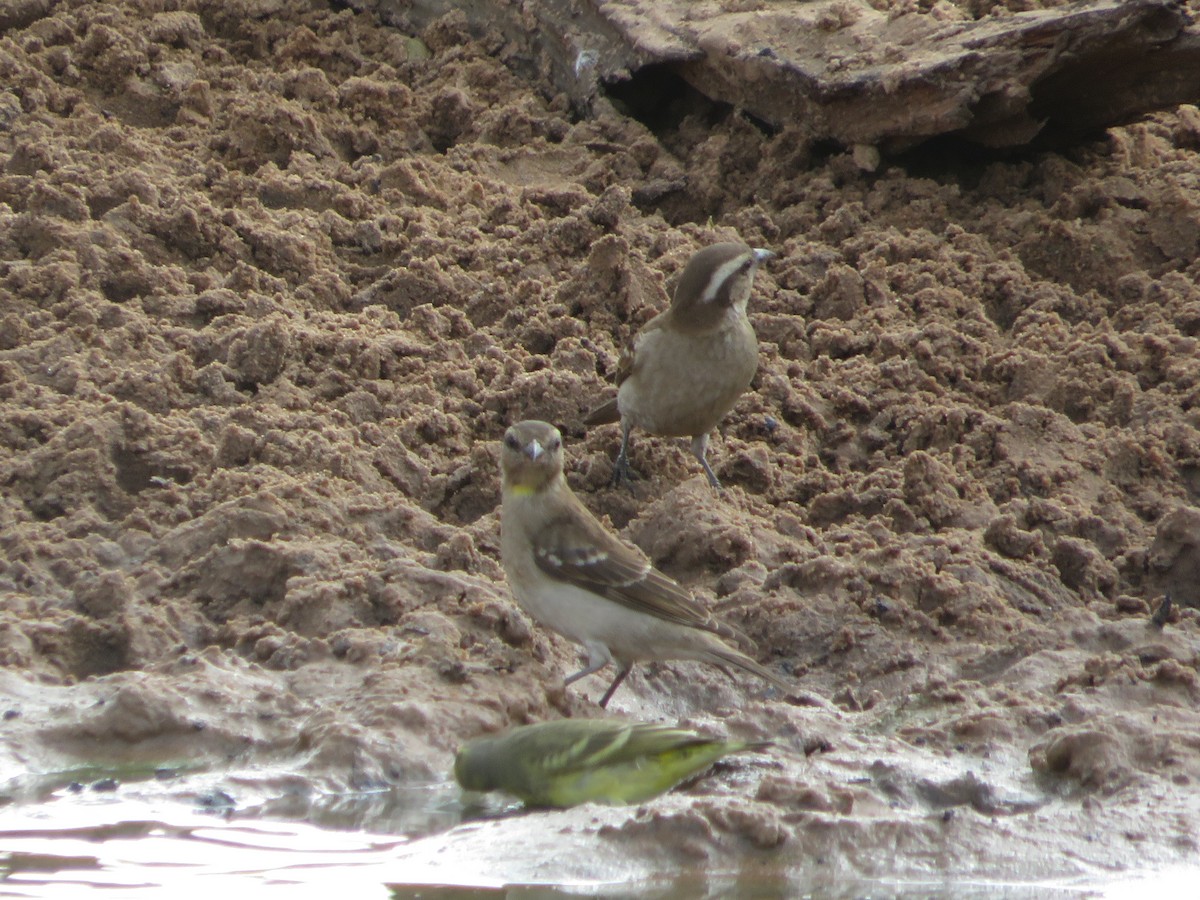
{"points": [[572, 575], [686, 367], [572, 761]]}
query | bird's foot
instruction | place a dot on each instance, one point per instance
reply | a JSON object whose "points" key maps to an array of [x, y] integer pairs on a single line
{"points": [[700, 451], [623, 473], [713, 481]]}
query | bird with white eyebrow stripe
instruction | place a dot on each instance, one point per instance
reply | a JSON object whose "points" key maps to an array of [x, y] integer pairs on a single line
{"points": [[686, 367], [575, 577]]}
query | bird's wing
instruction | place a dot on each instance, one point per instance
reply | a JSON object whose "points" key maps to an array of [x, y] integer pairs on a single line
{"points": [[626, 365], [578, 745], [627, 361], [648, 739], [578, 760], [574, 547]]}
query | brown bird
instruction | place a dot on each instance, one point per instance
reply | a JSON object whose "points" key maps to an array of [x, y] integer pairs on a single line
{"points": [[686, 367], [575, 577]]}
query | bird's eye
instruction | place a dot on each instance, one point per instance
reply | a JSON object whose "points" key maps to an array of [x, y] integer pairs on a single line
{"points": [[555, 445], [511, 442]]}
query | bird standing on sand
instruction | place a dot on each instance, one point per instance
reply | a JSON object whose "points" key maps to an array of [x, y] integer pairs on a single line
{"points": [[572, 761], [573, 576], [687, 366]]}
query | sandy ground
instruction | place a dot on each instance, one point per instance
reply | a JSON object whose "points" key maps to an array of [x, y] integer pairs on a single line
{"points": [[273, 280]]}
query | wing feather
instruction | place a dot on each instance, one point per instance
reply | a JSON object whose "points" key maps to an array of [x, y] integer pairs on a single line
{"points": [[627, 362], [575, 548], [610, 744]]}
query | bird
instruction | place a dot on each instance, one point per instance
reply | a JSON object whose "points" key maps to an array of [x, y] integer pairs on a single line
{"points": [[573, 576], [571, 761], [686, 367]]}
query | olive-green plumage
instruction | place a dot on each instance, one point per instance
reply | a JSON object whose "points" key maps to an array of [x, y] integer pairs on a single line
{"points": [[573, 761]]}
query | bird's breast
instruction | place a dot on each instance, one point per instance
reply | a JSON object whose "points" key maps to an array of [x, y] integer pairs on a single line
{"points": [[683, 385]]}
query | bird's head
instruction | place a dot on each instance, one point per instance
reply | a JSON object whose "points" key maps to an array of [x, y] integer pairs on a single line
{"points": [[531, 457], [715, 281], [475, 764]]}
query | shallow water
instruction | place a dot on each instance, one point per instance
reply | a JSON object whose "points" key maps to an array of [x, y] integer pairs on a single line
{"points": [[146, 830], [141, 847]]}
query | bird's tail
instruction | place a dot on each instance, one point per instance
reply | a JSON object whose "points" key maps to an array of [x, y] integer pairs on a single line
{"points": [[724, 655], [604, 414]]}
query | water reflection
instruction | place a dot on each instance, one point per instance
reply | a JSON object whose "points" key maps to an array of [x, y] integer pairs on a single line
{"points": [[247, 836], [411, 811]]}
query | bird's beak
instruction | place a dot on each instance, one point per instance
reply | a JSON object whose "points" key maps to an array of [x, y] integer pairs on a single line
{"points": [[533, 450], [761, 255]]}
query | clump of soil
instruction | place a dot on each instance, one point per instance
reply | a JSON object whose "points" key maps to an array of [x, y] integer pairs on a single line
{"points": [[274, 278]]}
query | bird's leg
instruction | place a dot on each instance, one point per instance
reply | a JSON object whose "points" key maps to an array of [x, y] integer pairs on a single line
{"points": [[700, 451], [625, 669], [591, 667], [621, 470], [598, 658]]}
